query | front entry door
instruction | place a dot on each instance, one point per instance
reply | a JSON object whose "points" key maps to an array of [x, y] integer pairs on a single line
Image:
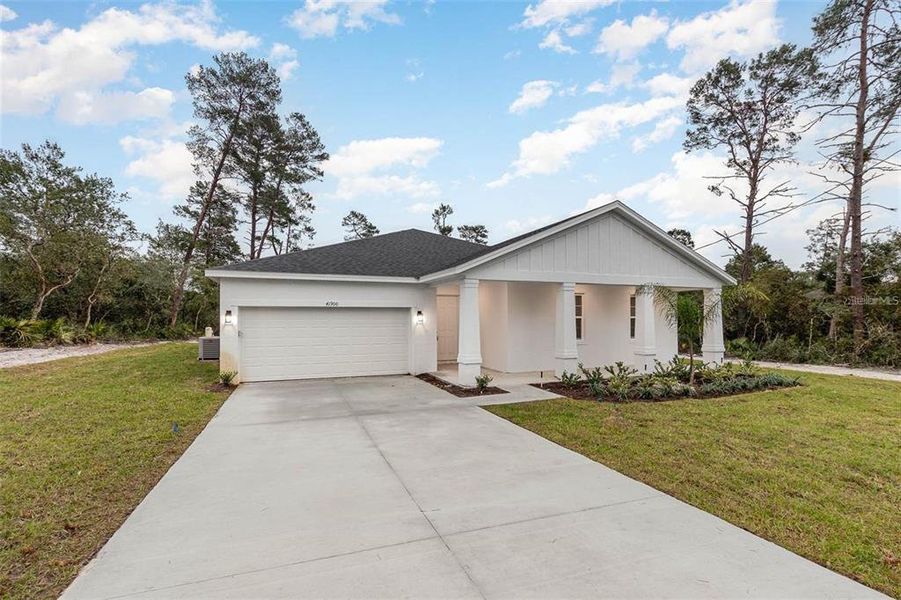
{"points": [[448, 314]]}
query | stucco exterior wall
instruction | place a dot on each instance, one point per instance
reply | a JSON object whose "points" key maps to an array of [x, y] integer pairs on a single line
{"points": [[530, 327], [606, 325], [531, 323], [236, 293], [494, 325]]}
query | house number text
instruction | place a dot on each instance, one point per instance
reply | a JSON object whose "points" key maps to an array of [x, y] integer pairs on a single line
{"points": [[331, 303]]}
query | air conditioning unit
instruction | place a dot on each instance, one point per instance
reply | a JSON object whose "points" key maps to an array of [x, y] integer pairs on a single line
{"points": [[208, 348]]}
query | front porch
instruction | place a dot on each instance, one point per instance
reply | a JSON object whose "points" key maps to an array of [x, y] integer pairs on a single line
{"points": [[527, 331]]}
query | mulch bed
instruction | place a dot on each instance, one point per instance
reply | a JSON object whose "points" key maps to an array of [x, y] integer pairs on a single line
{"points": [[458, 390], [581, 392]]}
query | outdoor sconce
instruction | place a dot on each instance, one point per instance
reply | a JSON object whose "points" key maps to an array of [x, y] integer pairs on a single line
{"points": [[228, 317], [419, 318]]}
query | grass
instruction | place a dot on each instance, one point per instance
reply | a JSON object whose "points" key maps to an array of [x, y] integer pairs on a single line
{"points": [[82, 441], [815, 469]]}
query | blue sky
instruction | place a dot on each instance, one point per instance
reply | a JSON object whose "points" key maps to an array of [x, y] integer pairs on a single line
{"points": [[516, 114]]}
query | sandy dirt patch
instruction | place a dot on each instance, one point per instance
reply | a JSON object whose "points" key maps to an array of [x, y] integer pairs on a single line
{"points": [[16, 357]]}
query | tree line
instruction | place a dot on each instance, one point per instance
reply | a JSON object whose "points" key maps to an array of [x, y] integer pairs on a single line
{"points": [[69, 254], [847, 83]]}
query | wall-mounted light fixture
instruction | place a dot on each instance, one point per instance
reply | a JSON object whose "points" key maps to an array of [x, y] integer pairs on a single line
{"points": [[228, 317], [419, 318]]}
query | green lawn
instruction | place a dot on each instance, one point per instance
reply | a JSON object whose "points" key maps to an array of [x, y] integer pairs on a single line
{"points": [[815, 469], [82, 441]]}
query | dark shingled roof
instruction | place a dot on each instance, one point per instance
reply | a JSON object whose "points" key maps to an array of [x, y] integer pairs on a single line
{"points": [[407, 253]]}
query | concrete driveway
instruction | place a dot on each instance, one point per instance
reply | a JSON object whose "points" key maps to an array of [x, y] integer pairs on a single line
{"points": [[388, 487]]}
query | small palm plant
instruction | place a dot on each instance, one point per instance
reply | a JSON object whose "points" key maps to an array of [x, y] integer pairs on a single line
{"points": [[226, 377]]}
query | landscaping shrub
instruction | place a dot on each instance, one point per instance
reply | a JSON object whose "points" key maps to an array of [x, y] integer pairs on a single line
{"points": [[226, 377], [570, 379], [595, 375], [620, 379], [482, 382], [669, 380], [675, 368]]}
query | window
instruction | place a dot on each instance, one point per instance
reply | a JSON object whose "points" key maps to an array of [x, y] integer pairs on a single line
{"points": [[580, 324], [632, 317]]}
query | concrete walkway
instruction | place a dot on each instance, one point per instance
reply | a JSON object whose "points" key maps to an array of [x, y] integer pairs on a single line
{"points": [[830, 370], [388, 487]]}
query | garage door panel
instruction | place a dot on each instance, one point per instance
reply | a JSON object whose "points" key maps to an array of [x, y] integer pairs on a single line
{"points": [[300, 343]]}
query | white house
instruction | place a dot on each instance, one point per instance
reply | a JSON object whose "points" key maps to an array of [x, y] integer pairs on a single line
{"points": [[403, 302]]}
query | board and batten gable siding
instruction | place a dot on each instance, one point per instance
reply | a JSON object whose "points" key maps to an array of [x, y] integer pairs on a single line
{"points": [[604, 250]]}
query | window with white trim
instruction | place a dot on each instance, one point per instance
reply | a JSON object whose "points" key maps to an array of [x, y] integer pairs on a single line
{"points": [[580, 319], [632, 316]]}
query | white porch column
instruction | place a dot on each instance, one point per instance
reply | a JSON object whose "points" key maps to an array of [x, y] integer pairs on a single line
{"points": [[469, 357], [565, 350], [645, 332], [713, 347]]}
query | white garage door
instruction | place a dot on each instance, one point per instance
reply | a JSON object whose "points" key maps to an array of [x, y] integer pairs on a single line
{"points": [[302, 343]]}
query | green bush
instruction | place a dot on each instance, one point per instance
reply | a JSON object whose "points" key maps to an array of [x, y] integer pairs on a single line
{"points": [[570, 380], [620, 379], [595, 375], [482, 382], [737, 385], [597, 389], [675, 368], [741, 347], [226, 377]]}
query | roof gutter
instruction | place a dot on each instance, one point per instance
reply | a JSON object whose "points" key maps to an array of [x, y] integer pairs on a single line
{"points": [[218, 274]]}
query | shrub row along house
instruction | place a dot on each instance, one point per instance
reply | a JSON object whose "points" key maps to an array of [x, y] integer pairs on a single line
{"points": [[403, 302]]}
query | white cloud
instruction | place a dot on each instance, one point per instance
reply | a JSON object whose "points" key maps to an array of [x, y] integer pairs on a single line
{"points": [[7, 14], [623, 75], [514, 226], [666, 84], [580, 28], [625, 41], [421, 208], [546, 152], [166, 161], [284, 58], [42, 62], [741, 29], [682, 191], [365, 156], [549, 12], [113, 107], [384, 185], [596, 87], [664, 129], [512, 54], [534, 94], [322, 18], [414, 70], [361, 166], [554, 41]]}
